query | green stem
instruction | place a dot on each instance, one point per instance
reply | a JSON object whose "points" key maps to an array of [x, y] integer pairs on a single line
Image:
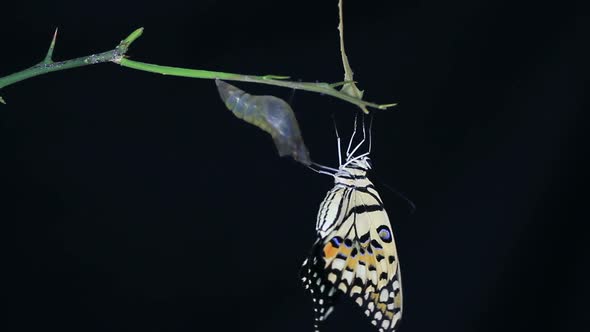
{"points": [[45, 68], [117, 55], [47, 65], [323, 88]]}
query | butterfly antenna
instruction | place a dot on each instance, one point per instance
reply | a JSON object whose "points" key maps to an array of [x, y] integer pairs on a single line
{"points": [[399, 194]]}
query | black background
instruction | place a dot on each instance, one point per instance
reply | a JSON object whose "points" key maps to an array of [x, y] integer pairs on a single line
{"points": [[137, 202]]}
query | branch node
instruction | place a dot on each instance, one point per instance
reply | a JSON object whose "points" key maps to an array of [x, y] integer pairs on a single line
{"points": [[123, 46], [337, 84], [348, 88]]}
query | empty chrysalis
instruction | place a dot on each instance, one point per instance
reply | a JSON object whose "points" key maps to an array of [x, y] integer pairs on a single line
{"points": [[270, 114]]}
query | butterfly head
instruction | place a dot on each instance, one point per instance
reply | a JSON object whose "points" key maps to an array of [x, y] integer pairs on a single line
{"points": [[355, 167], [362, 162]]}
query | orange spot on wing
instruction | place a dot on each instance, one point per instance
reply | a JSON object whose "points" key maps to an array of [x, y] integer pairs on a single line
{"points": [[368, 260], [330, 251]]}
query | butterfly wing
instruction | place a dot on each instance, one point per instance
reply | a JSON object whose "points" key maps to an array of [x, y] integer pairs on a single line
{"points": [[356, 255], [313, 272], [381, 301], [324, 294]]}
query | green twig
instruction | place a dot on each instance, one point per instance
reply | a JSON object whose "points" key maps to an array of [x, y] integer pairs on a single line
{"points": [[323, 88], [117, 55], [349, 88], [48, 66]]}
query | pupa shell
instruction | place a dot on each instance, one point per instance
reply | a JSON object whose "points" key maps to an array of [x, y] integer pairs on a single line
{"points": [[270, 114]]}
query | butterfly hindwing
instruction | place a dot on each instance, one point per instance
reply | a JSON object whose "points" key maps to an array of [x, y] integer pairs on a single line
{"points": [[314, 279]]}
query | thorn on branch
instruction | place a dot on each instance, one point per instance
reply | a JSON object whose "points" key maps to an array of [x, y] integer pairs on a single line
{"points": [[337, 84], [49, 56], [2, 101], [386, 106]]}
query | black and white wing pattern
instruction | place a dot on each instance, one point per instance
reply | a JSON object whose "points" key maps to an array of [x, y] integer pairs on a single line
{"points": [[355, 253]]}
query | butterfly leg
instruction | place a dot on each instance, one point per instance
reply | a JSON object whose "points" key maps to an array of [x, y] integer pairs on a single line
{"points": [[351, 137], [322, 169], [338, 143], [361, 142]]}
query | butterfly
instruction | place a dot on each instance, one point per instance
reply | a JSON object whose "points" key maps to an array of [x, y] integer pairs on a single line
{"points": [[355, 253]]}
